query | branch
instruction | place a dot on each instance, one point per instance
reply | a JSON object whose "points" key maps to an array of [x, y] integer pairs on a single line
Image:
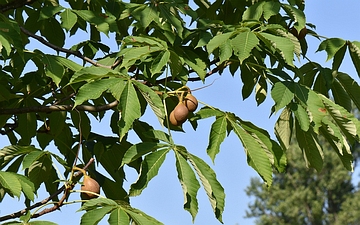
{"points": [[46, 200], [54, 108], [60, 49], [15, 4]]}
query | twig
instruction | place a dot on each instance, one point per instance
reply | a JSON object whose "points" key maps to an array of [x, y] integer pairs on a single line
{"points": [[15, 4], [46, 200], [54, 108], [60, 49]]}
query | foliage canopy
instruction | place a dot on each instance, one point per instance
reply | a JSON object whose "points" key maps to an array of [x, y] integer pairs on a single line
{"points": [[47, 97]]}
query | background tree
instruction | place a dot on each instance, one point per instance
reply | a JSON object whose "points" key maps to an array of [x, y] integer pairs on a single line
{"points": [[48, 97], [305, 196]]}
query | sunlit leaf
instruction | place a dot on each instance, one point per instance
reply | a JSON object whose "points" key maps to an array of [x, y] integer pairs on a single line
{"points": [[331, 46], [217, 136], [243, 43]]}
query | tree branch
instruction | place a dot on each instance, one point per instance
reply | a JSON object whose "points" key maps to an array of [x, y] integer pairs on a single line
{"points": [[54, 108], [60, 49], [46, 200], [15, 4]]}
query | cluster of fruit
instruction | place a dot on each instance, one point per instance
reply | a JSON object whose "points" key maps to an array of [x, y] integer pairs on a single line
{"points": [[180, 113]]}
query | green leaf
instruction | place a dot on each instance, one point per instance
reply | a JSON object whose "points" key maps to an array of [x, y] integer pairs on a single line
{"points": [[283, 94], [213, 188], [207, 112], [30, 158], [301, 116], [331, 46], [53, 68], [96, 203], [159, 62], [354, 49], [256, 157], [94, 216], [138, 150], [271, 9], [68, 19], [131, 55], [41, 222], [129, 107], [340, 95], [94, 89], [296, 15], [284, 46], [118, 216], [217, 136], [284, 127], [40, 170], [338, 58], [350, 86], [145, 15], [89, 74], [100, 21], [344, 120], [52, 31], [243, 44], [149, 168], [226, 51], [218, 40], [254, 12], [10, 152], [10, 183], [310, 147], [27, 187], [140, 218], [189, 184], [153, 99], [195, 62]]}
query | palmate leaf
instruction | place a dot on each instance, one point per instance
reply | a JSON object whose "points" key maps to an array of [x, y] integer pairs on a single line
{"points": [[194, 61], [213, 188], [93, 90], [153, 99], [310, 147], [301, 115], [243, 43], [88, 74], [283, 94], [254, 12], [149, 168], [331, 46], [340, 95], [350, 86], [94, 216], [54, 69], [256, 157], [283, 45], [189, 184], [129, 107], [217, 136], [118, 216], [8, 153], [349, 125], [218, 40], [140, 149], [10, 183], [296, 15], [68, 19]]}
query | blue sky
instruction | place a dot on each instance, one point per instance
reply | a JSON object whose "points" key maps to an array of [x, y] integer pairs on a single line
{"points": [[163, 198]]}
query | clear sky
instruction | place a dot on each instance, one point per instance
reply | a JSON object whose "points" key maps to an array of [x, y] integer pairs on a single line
{"points": [[163, 199]]}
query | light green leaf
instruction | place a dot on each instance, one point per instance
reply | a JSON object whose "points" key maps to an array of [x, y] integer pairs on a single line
{"points": [[31, 158], [149, 168], [159, 62], [10, 183], [10, 152], [207, 112], [96, 203], [217, 136], [218, 40], [145, 15], [243, 44], [310, 147], [226, 51], [94, 89], [89, 74], [129, 107], [296, 15], [284, 127], [254, 12], [346, 121], [68, 63], [213, 188], [331, 46], [94, 216], [27, 187], [354, 49], [350, 86], [195, 62], [153, 99], [41, 222], [136, 53], [283, 94], [68, 19], [270, 9], [256, 157], [54, 69], [138, 150], [140, 218], [118, 216], [301, 116], [283, 45], [189, 184], [101, 23]]}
